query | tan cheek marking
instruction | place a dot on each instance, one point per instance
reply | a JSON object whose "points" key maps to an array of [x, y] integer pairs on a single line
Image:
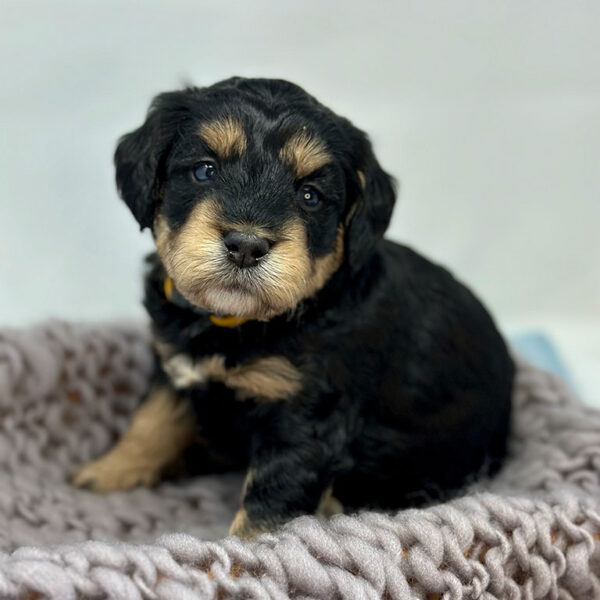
{"points": [[193, 254], [162, 235], [225, 137], [291, 276], [161, 429], [288, 268], [304, 153]]}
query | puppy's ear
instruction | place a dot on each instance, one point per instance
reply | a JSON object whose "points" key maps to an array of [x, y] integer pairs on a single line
{"points": [[369, 214], [140, 154]]}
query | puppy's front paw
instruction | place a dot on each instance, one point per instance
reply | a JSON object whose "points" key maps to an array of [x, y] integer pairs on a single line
{"points": [[244, 528], [115, 471]]}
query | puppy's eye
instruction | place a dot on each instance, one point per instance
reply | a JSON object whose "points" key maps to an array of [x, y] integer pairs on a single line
{"points": [[309, 198], [204, 170]]}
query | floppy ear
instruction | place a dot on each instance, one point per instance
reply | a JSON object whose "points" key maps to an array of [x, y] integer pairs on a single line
{"points": [[140, 154], [369, 215]]}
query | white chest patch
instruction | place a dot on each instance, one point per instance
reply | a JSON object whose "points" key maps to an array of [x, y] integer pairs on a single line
{"points": [[185, 372]]}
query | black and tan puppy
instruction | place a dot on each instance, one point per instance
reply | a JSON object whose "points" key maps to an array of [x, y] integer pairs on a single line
{"points": [[291, 339]]}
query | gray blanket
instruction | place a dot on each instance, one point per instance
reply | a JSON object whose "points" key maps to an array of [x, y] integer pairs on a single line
{"points": [[66, 392]]}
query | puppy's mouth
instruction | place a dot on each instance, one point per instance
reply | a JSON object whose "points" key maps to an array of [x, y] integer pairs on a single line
{"points": [[229, 290]]}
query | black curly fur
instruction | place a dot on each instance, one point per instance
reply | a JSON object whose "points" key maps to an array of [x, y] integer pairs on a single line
{"points": [[406, 382]]}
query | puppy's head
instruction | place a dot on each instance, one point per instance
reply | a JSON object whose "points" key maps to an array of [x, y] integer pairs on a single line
{"points": [[256, 193]]}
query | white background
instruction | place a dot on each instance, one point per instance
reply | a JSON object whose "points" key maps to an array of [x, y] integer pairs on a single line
{"points": [[487, 112]]}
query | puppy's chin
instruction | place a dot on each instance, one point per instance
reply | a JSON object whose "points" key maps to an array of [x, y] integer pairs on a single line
{"points": [[235, 303]]}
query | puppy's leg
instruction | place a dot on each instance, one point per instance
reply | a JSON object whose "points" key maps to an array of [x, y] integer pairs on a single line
{"points": [[285, 480], [243, 526], [161, 429]]}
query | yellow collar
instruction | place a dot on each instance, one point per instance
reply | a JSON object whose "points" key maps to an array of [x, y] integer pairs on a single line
{"points": [[226, 321], [215, 319]]}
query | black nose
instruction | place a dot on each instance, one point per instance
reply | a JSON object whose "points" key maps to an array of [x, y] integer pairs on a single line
{"points": [[245, 249]]}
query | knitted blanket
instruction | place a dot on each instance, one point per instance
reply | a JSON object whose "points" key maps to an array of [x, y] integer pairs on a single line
{"points": [[66, 392]]}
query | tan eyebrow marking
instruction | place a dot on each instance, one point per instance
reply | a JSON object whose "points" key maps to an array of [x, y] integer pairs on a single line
{"points": [[304, 153], [225, 137]]}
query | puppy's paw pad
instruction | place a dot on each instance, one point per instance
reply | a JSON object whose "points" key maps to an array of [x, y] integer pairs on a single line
{"points": [[110, 474]]}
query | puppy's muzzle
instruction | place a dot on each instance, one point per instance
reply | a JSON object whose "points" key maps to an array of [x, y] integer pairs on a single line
{"points": [[245, 249]]}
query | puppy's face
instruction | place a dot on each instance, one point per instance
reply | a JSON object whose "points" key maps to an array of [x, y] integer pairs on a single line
{"points": [[256, 194]]}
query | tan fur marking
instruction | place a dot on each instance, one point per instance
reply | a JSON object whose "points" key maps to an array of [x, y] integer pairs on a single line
{"points": [[160, 430], [225, 137], [243, 527], [270, 378], [195, 260], [351, 213], [248, 481], [267, 378], [214, 367], [193, 255], [329, 505], [363, 183], [292, 276], [289, 267], [325, 266], [361, 178], [163, 349], [304, 153], [162, 235]]}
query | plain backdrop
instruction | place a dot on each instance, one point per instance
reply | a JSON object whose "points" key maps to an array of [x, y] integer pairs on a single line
{"points": [[487, 112]]}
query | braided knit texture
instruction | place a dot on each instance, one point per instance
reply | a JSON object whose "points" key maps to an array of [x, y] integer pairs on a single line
{"points": [[66, 393]]}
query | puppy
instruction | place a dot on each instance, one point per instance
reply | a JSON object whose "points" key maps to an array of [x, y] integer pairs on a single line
{"points": [[291, 339]]}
